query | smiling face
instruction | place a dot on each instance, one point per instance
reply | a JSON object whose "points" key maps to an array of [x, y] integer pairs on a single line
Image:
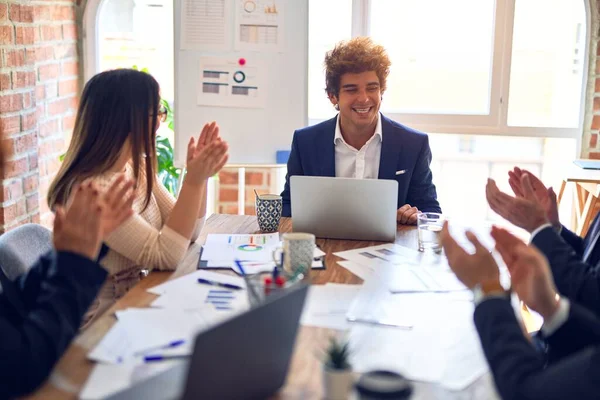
{"points": [[359, 101]]}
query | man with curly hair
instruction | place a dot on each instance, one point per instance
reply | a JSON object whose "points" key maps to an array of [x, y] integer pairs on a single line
{"points": [[360, 142]]}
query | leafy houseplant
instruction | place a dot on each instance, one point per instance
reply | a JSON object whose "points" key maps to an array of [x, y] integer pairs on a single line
{"points": [[337, 371], [167, 173]]}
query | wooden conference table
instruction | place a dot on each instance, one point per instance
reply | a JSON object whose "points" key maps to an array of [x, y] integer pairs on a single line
{"points": [[304, 377]]}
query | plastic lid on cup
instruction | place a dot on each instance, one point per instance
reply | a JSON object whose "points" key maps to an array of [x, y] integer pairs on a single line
{"points": [[383, 385]]}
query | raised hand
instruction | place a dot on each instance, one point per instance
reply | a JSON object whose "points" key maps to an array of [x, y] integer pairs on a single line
{"points": [[209, 134], [78, 227], [531, 276], [117, 202], [204, 162], [525, 212], [470, 269], [545, 196]]}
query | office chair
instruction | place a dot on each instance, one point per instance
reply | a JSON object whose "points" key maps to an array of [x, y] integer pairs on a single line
{"points": [[21, 247]]}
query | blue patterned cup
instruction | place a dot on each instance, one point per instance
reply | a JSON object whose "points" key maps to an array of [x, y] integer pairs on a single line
{"points": [[268, 212]]}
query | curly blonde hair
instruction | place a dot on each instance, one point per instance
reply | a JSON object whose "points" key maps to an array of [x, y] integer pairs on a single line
{"points": [[357, 55]]}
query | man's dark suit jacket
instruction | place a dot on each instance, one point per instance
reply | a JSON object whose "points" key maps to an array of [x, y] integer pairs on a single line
{"points": [[402, 149], [519, 369], [575, 279], [40, 313]]}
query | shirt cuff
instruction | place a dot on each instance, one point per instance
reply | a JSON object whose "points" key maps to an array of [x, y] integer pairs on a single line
{"points": [[539, 229], [479, 297], [558, 319]]}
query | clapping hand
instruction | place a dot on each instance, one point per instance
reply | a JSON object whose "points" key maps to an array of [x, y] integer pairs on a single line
{"points": [[545, 196], [530, 273], [206, 156], [470, 269]]}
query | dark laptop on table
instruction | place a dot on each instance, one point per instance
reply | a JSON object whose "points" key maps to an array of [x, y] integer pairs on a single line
{"points": [[246, 357]]}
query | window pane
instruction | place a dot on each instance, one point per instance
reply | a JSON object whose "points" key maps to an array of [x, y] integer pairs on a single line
{"points": [[330, 21], [548, 58], [441, 60], [138, 32]]}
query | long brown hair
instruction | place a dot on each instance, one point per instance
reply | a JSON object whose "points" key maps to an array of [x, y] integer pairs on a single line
{"points": [[115, 105]]}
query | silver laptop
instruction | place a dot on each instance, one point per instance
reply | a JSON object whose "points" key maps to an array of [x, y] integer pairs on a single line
{"points": [[246, 357], [344, 208]]}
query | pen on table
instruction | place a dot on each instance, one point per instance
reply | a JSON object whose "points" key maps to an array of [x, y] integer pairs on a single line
{"points": [[166, 357], [175, 343], [224, 285], [248, 285]]}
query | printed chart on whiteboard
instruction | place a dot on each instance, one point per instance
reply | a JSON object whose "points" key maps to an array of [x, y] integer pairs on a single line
{"points": [[206, 25], [259, 25], [232, 82]]}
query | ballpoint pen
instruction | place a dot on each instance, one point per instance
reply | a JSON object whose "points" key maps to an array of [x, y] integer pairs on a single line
{"points": [[223, 285], [166, 357], [249, 286], [175, 343]]}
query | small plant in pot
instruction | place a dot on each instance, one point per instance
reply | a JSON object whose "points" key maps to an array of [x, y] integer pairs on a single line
{"points": [[337, 372]]}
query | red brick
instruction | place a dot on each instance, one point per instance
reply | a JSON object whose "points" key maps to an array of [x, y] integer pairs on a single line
{"points": [[6, 35], [45, 149], [3, 12], [35, 219], [21, 207], [44, 53], [33, 203], [49, 128], [26, 143], [598, 67], [250, 210], [68, 123], [13, 190], [11, 102], [40, 111], [40, 93], [254, 178], [50, 33], [69, 32], [597, 86], [33, 161], [47, 72], [595, 156], [228, 194], [21, 13], [10, 125], [65, 51], [31, 183], [28, 99], [23, 79], [67, 87], [28, 121], [4, 82], [228, 177], [14, 58], [14, 168], [69, 68], [8, 214], [25, 34]]}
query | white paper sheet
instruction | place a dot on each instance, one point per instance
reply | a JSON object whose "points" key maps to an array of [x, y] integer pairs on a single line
{"points": [[327, 305], [259, 25], [206, 25], [191, 281]]}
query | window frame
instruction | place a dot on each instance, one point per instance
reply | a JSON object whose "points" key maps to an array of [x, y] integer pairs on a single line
{"points": [[496, 122]]}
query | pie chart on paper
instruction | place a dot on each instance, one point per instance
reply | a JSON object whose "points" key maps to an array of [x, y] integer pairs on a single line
{"points": [[250, 247]]}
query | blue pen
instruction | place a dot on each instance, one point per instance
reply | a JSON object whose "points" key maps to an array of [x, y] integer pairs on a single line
{"points": [[161, 358], [253, 294], [175, 343], [224, 285]]}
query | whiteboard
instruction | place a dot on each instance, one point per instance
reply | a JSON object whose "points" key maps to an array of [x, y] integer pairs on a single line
{"points": [[254, 134]]}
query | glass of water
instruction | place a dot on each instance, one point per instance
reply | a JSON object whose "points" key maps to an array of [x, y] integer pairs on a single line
{"points": [[429, 226]]}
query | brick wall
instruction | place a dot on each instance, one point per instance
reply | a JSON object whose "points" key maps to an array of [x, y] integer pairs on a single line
{"points": [[258, 179], [39, 85]]}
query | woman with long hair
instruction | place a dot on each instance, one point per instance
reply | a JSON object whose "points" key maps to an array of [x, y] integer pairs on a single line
{"points": [[115, 132]]}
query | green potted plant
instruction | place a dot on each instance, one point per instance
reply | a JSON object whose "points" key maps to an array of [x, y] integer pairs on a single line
{"points": [[337, 370]]}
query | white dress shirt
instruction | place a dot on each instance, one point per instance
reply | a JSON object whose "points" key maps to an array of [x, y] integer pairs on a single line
{"points": [[362, 163]]}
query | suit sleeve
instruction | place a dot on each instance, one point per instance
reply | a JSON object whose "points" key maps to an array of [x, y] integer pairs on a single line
{"points": [[574, 278], [294, 167], [582, 329], [574, 240], [518, 369], [421, 192], [56, 293]]}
